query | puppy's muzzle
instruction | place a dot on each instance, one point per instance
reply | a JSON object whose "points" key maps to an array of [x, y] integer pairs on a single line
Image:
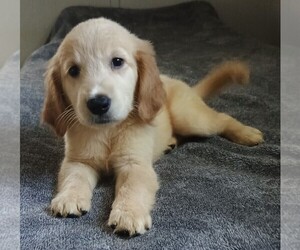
{"points": [[99, 105]]}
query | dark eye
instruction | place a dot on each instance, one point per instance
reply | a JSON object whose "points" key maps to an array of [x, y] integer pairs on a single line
{"points": [[74, 71], [117, 62]]}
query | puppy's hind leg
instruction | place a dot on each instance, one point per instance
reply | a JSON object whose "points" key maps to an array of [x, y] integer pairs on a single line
{"points": [[171, 145], [191, 116]]}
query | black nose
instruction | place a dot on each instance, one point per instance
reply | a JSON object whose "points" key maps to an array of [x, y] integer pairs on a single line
{"points": [[99, 104]]}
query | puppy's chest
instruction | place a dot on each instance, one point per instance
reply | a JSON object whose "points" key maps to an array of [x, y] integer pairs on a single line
{"points": [[96, 150]]}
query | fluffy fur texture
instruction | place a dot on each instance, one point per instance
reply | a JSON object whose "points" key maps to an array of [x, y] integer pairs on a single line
{"points": [[146, 114]]}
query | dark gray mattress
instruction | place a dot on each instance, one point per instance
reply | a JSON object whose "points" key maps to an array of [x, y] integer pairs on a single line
{"points": [[214, 194]]}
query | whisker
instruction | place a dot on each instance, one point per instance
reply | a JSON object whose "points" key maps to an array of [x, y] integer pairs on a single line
{"points": [[65, 113], [68, 116], [76, 122], [70, 119]]}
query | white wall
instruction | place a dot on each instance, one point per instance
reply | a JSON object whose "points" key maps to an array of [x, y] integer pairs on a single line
{"points": [[9, 28], [258, 18], [38, 16]]}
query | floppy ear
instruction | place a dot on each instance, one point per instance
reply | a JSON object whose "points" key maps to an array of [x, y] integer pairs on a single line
{"points": [[55, 100], [150, 95]]}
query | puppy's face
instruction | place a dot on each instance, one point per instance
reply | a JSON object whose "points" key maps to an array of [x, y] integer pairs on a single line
{"points": [[102, 73], [99, 72]]}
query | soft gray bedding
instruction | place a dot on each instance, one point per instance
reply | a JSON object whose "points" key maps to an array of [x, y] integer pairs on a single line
{"points": [[214, 194], [290, 141], [10, 153]]}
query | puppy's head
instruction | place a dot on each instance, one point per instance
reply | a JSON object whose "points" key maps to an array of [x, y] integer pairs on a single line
{"points": [[100, 75]]}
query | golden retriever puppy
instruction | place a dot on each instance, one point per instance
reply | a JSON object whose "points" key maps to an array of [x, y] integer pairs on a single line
{"points": [[117, 114]]}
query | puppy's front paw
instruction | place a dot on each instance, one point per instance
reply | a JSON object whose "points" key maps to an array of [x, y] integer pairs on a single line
{"points": [[70, 204], [129, 221], [249, 136]]}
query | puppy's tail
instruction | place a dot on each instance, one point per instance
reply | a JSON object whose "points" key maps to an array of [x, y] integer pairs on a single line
{"points": [[222, 76]]}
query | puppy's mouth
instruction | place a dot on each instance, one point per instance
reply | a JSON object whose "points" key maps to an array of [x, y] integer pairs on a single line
{"points": [[91, 120], [101, 119]]}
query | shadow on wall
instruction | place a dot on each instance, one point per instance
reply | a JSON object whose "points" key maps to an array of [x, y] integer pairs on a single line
{"points": [[257, 18]]}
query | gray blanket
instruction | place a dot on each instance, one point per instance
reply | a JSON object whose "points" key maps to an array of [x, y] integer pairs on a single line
{"points": [[214, 194], [10, 153]]}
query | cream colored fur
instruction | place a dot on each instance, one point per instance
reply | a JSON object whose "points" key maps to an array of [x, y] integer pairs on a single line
{"points": [[147, 113]]}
